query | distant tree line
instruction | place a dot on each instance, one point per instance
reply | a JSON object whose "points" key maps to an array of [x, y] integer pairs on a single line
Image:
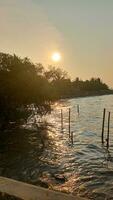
{"points": [[25, 86]]}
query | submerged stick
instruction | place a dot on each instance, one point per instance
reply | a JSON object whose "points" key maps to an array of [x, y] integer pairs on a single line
{"points": [[78, 110], [108, 130], [69, 122], [72, 137], [103, 122]]}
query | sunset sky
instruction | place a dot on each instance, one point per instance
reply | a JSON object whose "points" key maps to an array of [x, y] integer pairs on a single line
{"points": [[80, 30]]}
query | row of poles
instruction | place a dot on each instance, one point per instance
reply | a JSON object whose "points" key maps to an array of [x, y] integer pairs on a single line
{"points": [[103, 128], [69, 122], [103, 125]]}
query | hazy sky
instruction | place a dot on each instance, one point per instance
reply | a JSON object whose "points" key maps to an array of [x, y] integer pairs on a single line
{"points": [[81, 30]]}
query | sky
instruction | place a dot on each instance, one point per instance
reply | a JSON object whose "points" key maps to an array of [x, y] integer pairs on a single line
{"points": [[81, 30]]}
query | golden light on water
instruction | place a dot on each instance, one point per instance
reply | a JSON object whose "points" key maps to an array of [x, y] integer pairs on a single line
{"points": [[56, 57]]}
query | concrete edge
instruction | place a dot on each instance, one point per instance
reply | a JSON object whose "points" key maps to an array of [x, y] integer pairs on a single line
{"points": [[30, 192]]}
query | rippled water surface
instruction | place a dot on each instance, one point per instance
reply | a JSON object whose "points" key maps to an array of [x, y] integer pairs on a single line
{"points": [[84, 168]]}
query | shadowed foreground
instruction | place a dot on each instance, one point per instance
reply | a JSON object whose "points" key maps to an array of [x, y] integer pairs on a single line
{"points": [[17, 190]]}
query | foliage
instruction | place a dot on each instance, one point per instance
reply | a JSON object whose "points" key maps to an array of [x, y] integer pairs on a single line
{"points": [[21, 84], [25, 86], [55, 74], [94, 84], [65, 87]]}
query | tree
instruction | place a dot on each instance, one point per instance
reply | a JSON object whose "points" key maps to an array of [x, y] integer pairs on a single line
{"points": [[21, 84], [24, 85], [55, 74], [59, 80]]}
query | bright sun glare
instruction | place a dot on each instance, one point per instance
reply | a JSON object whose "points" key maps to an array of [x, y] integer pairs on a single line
{"points": [[56, 57]]}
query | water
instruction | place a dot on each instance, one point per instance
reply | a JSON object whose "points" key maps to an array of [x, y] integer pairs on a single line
{"points": [[84, 168]]}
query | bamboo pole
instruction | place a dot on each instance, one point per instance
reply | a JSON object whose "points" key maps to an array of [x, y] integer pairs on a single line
{"points": [[69, 122], [72, 137], [108, 130], [61, 119], [103, 122]]}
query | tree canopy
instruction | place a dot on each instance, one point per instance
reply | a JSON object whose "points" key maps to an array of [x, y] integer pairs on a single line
{"points": [[24, 84]]}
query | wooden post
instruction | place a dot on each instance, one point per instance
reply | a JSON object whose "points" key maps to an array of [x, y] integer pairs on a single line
{"points": [[108, 130], [78, 109], [69, 122], [102, 137], [61, 119], [72, 137]]}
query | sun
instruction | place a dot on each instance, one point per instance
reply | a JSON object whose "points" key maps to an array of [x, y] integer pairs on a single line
{"points": [[56, 57]]}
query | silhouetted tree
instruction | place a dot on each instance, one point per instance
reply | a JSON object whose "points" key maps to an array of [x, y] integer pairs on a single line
{"points": [[21, 84], [24, 85], [55, 74]]}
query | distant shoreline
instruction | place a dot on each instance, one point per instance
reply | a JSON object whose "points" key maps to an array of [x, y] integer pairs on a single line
{"points": [[89, 94]]}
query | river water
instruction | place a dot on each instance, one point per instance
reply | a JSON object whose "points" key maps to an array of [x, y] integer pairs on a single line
{"points": [[84, 168]]}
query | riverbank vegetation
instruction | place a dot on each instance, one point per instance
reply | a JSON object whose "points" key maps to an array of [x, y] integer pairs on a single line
{"points": [[25, 87]]}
